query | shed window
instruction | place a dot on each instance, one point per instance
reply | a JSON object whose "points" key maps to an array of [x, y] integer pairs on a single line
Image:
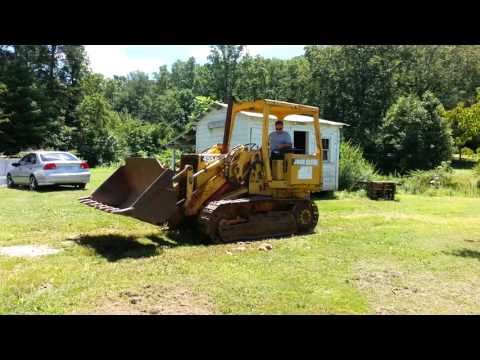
{"points": [[326, 149]]}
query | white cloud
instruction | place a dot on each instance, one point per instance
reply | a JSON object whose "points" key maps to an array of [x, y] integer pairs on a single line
{"points": [[257, 49], [112, 60], [199, 52], [262, 49]]}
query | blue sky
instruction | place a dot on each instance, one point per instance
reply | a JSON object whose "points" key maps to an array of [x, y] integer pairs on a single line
{"points": [[112, 60]]}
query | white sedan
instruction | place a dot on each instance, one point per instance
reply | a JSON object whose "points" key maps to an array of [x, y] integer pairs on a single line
{"points": [[41, 168]]}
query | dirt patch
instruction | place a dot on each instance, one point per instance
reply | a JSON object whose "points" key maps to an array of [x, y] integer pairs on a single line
{"points": [[156, 300], [392, 290], [27, 250]]}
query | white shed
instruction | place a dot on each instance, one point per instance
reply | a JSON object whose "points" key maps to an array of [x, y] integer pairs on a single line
{"points": [[248, 129]]}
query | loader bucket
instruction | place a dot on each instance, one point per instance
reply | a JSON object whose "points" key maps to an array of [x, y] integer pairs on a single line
{"points": [[141, 189]]}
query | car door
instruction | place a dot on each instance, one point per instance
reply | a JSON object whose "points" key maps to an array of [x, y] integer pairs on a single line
{"points": [[29, 167], [17, 172]]}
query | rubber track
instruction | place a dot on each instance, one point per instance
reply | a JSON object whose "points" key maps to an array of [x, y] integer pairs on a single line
{"points": [[209, 218]]}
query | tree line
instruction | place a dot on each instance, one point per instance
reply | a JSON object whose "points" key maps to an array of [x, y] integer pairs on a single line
{"points": [[408, 106]]}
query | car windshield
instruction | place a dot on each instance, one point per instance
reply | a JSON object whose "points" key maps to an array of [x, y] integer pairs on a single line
{"points": [[58, 157]]}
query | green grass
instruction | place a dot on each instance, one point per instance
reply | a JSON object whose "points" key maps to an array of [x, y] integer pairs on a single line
{"points": [[419, 254]]}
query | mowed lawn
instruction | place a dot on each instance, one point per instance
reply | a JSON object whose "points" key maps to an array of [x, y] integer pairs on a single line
{"points": [[416, 255]]}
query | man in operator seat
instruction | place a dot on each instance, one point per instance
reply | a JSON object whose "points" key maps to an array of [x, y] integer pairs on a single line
{"points": [[279, 141]]}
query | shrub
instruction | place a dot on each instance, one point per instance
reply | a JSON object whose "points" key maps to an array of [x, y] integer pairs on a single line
{"points": [[476, 169], [353, 167], [420, 181], [165, 157], [414, 135], [467, 152], [99, 147], [440, 181]]}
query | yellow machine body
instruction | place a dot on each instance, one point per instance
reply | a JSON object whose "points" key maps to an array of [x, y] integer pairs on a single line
{"points": [[237, 177]]}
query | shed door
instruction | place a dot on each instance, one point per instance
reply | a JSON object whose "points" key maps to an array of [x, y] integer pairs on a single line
{"points": [[300, 141]]}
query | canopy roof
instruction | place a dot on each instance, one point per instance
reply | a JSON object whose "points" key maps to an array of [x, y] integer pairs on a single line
{"points": [[294, 117]]}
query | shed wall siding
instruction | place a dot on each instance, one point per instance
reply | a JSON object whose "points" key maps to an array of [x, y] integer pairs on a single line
{"points": [[207, 137]]}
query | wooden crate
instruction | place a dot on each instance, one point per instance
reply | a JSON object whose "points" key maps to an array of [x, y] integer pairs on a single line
{"points": [[381, 190]]}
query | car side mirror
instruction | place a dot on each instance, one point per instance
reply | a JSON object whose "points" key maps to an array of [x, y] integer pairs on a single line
{"points": [[15, 164]]}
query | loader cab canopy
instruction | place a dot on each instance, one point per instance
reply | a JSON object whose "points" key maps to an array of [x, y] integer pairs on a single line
{"points": [[275, 108], [280, 109]]}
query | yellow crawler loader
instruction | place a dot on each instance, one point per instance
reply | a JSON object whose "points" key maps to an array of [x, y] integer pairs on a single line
{"points": [[230, 193]]}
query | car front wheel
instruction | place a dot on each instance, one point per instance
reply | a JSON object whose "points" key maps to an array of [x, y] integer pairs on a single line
{"points": [[10, 182], [33, 185], [82, 186]]}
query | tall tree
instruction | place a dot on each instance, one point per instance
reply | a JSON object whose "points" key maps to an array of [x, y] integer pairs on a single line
{"points": [[252, 78], [3, 115], [223, 67], [21, 99], [297, 77], [162, 79], [354, 84], [74, 70], [137, 86], [183, 74], [465, 123], [357, 84]]}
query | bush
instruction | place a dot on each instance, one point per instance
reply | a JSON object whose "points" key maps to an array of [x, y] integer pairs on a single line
{"points": [[476, 169], [440, 181], [420, 181], [414, 135], [140, 138], [353, 167], [165, 157], [99, 147], [467, 152]]}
